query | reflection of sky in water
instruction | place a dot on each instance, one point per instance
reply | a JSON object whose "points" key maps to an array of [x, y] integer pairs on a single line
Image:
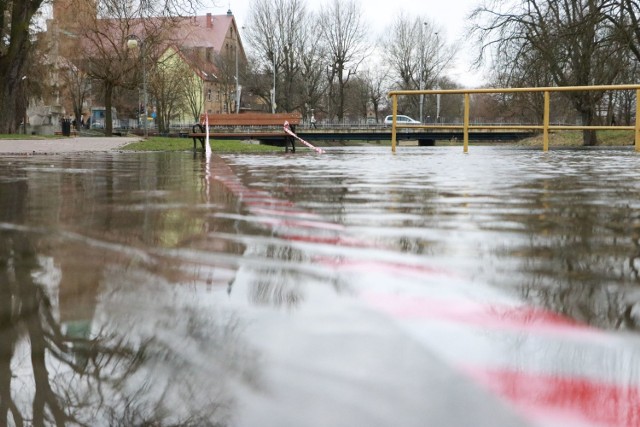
{"points": [[350, 288]]}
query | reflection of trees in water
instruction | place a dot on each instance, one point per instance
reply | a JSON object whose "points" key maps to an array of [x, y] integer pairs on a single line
{"points": [[284, 276], [26, 315], [278, 286], [20, 318], [151, 359], [117, 347], [192, 351], [581, 258], [270, 289], [279, 272]]}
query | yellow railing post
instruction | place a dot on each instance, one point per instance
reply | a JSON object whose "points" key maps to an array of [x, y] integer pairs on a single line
{"points": [[637, 138], [545, 122], [465, 127], [394, 111]]}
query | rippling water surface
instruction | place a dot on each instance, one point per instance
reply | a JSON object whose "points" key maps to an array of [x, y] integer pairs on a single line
{"points": [[286, 289]]}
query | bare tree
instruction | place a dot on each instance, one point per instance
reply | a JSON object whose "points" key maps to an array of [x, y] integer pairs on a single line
{"points": [[625, 101], [262, 36], [107, 56], [78, 85], [193, 89], [625, 16], [356, 98], [311, 54], [446, 108], [225, 63], [418, 56], [257, 81], [570, 40], [170, 77], [15, 45], [344, 33], [106, 30], [376, 80], [278, 30], [290, 18]]}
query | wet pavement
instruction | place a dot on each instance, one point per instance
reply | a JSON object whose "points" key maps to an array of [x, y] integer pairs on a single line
{"points": [[354, 287], [63, 145]]}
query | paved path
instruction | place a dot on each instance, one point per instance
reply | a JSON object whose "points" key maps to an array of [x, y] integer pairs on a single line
{"points": [[63, 145]]}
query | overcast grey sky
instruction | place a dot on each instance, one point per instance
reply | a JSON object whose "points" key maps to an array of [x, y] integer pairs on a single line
{"points": [[450, 15]]}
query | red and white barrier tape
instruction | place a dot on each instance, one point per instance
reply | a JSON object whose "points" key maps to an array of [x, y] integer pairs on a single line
{"points": [[288, 130], [552, 370]]}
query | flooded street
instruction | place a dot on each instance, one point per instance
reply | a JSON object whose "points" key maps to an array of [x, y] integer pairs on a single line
{"points": [[352, 288]]}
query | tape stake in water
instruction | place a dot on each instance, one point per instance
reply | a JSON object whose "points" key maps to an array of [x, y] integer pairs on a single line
{"points": [[207, 145], [288, 130]]}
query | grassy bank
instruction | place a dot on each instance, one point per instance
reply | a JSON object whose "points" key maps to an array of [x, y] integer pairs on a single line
{"points": [[183, 144], [22, 136], [606, 138], [573, 138]]}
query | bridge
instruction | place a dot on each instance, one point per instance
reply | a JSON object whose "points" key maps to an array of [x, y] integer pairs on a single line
{"points": [[425, 137]]}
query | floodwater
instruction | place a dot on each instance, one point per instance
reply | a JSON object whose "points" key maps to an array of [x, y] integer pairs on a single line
{"points": [[351, 288]]}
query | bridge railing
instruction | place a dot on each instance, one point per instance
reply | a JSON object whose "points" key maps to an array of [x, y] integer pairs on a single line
{"points": [[545, 126]]}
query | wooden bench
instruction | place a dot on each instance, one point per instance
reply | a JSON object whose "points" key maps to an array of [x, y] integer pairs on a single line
{"points": [[72, 133], [245, 126]]}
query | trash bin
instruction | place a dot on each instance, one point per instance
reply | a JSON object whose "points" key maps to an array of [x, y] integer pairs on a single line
{"points": [[66, 127]]}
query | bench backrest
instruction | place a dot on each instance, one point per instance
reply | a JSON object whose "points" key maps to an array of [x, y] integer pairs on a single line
{"points": [[251, 119]]}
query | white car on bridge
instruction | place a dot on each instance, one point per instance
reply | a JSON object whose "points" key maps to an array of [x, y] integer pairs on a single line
{"points": [[401, 120]]}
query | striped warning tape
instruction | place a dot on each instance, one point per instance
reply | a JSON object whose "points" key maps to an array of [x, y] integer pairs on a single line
{"points": [[553, 370]]}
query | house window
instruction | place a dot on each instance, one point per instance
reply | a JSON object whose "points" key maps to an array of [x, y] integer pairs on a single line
{"points": [[209, 95]]}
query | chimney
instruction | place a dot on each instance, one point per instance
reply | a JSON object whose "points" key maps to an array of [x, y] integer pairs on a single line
{"points": [[209, 21]]}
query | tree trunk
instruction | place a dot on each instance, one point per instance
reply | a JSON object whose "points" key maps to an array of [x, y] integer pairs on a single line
{"points": [[341, 85], [108, 118], [163, 112], [376, 106], [77, 110], [589, 137], [13, 59], [9, 93]]}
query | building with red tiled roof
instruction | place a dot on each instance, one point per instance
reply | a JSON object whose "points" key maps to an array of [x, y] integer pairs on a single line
{"points": [[209, 44]]}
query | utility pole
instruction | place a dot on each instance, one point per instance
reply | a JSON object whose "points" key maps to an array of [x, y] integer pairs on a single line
{"points": [[273, 91], [238, 87], [132, 43], [422, 45], [437, 85]]}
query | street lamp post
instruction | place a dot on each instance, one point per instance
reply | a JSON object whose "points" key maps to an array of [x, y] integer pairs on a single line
{"points": [[437, 85], [132, 43], [422, 71], [237, 81], [238, 87], [273, 90], [24, 119]]}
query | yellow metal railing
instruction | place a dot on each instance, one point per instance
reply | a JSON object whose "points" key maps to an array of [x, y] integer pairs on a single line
{"points": [[545, 127]]}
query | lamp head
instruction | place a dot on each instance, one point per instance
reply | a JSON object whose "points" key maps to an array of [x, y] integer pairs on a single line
{"points": [[132, 43]]}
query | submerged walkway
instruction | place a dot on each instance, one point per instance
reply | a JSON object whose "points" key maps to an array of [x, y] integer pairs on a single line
{"points": [[63, 145]]}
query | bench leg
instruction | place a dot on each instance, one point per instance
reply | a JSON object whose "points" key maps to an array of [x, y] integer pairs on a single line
{"points": [[289, 140], [195, 138], [201, 129]]}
